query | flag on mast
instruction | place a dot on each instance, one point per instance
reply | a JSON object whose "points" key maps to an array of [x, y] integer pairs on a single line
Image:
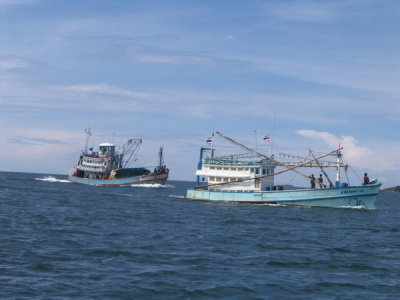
{"points": [[210, 139], [267, 139]]}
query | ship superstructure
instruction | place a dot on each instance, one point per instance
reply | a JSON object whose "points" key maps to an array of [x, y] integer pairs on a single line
{"points": [[238, 172]]}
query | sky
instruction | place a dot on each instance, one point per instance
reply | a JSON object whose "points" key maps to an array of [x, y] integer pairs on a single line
{"points": [[311, 74]]}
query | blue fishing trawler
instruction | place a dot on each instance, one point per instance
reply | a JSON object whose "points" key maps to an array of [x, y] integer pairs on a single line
{"points": [[108, 166], [249, 178]]}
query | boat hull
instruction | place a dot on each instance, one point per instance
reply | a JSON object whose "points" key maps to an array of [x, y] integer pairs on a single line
{"points": [[145, 179], [356, 196]]}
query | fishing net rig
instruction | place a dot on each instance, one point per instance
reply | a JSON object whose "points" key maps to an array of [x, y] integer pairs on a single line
{"points": [[315, 162]]}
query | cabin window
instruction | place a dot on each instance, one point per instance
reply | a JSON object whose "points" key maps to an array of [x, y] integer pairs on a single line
{"points": [[257, 183], [256, 170], [264, 171], [233, 169], [212, 168], [218, 168], [226, 179], [212, 178], [219, 179], [226, 169]]}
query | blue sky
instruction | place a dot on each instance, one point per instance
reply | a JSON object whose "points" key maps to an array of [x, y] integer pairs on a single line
{"points": [[312, 74]]}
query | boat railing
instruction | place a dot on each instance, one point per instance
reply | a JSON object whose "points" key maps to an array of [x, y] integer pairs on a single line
{"points": [[221, 162], [93, 164], [90, 168]]}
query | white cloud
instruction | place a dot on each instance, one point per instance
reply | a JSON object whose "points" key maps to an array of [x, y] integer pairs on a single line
{"points": [[230, 37], [6, 5], [105, 89], [377, 77], [12, 63], [305, 11], [358, 156], [38, 149], [16, 2], [164, 56]]}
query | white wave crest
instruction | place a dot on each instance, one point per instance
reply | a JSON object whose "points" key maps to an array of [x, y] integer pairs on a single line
{"points": [[153, 185], [358, 207], [52, 179]]}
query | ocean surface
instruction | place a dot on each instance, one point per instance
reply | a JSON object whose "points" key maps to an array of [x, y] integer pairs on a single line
{"points": [[61, 240]]}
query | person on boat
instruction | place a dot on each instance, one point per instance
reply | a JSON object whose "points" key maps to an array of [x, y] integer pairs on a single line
{"points": [[366, 179], [320, 181], [312, 181]]}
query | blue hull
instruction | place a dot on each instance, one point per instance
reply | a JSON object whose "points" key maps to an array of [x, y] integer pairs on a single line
{"points": [[356, 196], [150, 179]]}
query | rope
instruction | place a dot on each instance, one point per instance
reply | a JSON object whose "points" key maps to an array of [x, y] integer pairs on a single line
{"points": [[354, 172]]}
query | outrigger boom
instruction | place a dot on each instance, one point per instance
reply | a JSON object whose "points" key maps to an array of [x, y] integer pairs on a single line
{"points": [[292, 168]]}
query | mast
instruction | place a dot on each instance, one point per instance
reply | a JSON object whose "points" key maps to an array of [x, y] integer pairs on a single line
{"points": [[256, 137], [339, 156], [160, 157], [88, 132]]}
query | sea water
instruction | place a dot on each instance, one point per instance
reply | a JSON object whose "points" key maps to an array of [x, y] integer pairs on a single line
{"points": [[61, 240]]}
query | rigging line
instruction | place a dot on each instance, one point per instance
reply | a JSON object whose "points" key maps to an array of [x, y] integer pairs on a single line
{"points": [[131, 148], [293, 178], [260, 154], [322, 169], [347, 177], [354, 172], [268, 175]]}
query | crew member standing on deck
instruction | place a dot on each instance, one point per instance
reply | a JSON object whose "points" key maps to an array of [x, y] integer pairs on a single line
{"points": [[312, 181], [320, 181], [366, 178]]}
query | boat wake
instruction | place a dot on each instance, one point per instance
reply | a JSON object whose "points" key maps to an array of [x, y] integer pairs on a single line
{"points": [[52, 179], [153, 185], [358, 207], [176, 196]]}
